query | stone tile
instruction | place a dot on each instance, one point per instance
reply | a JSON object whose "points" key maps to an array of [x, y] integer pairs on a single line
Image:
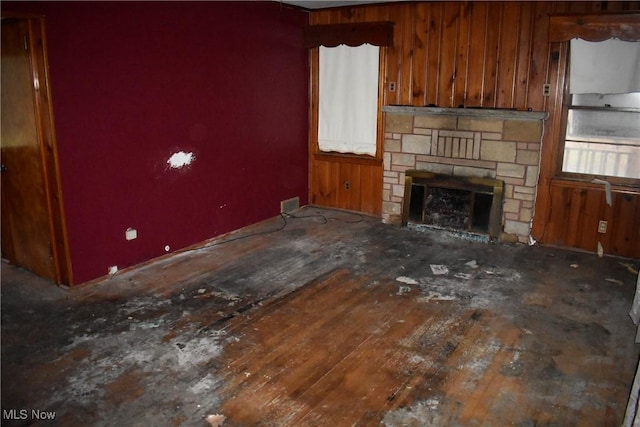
{"points": [[526, 215], [456, 133], [528, 157], [417, 144], [421, 131], [522, 130], [508, 238], [439, 149], [448, 146], [524, 190], [390, 180], [392, 145], [522, 196], [481, 125], [401, 159], [510, 170], [512, 180], [397, 190], [441, 168], [477, 143], [391, 208], [401, 169], [516, 227], [398, 123], [511, 205], [508, 191], [499, 151], [435, 122], [511, 216], [458, 162], [490, 135], [531, 178], [473, 172]]}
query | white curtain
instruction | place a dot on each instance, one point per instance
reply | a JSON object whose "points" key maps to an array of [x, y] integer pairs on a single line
{"points": [[610, 66], [348, 99]]}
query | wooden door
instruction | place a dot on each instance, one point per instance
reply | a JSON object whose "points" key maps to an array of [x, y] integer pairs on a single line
{"points": [[27, 223]]}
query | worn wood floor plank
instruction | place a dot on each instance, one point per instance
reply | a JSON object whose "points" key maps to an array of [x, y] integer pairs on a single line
{"points": [[368, 377], [332, 320], [343, 333]]}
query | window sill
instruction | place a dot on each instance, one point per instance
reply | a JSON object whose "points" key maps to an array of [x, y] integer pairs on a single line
{"points": [[586, 181], [347, 158]]}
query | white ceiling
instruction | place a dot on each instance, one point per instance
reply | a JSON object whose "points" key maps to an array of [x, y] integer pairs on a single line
{"points": [[323, 4]]}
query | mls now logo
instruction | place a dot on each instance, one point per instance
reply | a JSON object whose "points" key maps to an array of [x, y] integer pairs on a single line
{"points": [[24, 414]]}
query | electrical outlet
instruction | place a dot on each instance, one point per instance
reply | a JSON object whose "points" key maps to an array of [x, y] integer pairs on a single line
{"points": [[392, 86], [347, 185], [602, 227], [546, 89], [131, 234]]}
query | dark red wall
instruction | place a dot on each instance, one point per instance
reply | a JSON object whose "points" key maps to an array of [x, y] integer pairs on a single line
{"points": [[134, 82]]}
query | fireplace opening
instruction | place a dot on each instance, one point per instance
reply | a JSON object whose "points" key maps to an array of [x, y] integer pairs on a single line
{"points": [[452, 202], [450, 208]]}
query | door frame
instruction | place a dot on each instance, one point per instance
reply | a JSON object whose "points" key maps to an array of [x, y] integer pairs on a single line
{"points": [[43, 106]]}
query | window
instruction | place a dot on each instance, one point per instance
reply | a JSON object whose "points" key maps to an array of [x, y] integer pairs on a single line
{"points": [[603, 135], [603, 113], [348, 99]]}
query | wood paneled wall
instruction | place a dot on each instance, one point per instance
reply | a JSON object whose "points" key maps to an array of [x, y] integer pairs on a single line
{"points": [[577, 210], [347, 184], [477, 55]]}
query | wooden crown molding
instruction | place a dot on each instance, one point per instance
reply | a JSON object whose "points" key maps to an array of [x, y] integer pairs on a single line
{"points": [[352, 34], [595, 27]]}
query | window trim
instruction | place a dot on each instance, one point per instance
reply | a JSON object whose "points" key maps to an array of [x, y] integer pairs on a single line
{"points": [[566, 106], [594, 26], [614, 180], [344, 144], [314, 149], [352, 34]]}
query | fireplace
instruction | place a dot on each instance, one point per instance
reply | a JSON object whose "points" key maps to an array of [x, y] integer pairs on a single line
{"points": [[467, 158], [453, 202]]}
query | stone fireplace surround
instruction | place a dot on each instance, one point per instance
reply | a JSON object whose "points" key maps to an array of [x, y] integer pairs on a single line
{"points": [[463, 142]]}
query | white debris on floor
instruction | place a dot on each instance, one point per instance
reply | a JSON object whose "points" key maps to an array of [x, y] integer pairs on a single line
{"points": [[402, 290], [438, 269], [407, 280], [472, 264], [216, 420]]}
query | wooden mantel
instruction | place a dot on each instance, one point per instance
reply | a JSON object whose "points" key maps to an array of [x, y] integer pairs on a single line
{"points": [[487, 113]]}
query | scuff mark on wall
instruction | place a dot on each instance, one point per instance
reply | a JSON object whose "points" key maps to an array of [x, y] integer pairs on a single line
{"points": [[180, 159]]}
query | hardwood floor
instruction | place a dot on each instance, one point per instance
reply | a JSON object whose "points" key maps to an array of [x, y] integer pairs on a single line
{"points": [[329, 320]]}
